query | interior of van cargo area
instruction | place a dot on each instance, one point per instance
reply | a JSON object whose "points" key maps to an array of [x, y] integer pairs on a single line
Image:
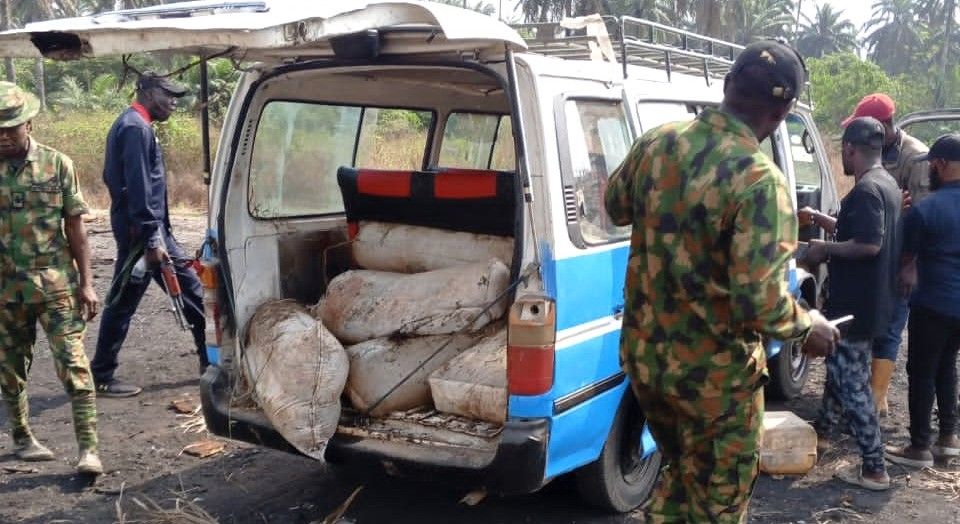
{"points": [[383, 204]]}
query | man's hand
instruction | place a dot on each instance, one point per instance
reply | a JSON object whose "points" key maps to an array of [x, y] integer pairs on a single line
{"points": [[816, 253], [89, 303], [907, 280], [807, 216], [823, 337], [907, 201], [157, 255]]}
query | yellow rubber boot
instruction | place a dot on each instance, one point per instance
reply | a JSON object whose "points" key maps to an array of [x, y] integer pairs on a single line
{"points": [[880, 373]]}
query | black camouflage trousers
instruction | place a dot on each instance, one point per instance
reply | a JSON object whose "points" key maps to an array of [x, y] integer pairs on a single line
{"points": [[847, 395]]}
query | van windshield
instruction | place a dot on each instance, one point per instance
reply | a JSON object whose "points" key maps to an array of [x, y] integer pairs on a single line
{"points": [[299, 146]]}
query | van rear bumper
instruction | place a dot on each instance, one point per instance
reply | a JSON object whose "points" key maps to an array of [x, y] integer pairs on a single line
{"points": [[517, 467]]}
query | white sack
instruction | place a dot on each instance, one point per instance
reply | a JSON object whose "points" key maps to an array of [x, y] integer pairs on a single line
{"points": [[379, 365], [297, 370], [413, 249], [474, 384], [362, 305]]}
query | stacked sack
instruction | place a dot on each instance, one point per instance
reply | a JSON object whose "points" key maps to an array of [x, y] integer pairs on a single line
{"points": [[425, 296]]}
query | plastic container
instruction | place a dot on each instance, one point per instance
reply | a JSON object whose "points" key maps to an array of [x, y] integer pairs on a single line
{"points": [[474, 384], [139, 272], [789, 445]]}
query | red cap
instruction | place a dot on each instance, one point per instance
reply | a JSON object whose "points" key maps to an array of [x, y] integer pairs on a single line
{"points": [[877, 105]]}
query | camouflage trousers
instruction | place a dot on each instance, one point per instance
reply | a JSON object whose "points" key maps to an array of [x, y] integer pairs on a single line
{"points": [[64, 326], [847, 395], [711, 452]]}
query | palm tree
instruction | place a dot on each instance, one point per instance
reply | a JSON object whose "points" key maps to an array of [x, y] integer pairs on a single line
{"points": [[940, 14], [895, 35], [545, 10], [827, 32], [755, 19], [479, 6], [706, 17], [950, 10]]}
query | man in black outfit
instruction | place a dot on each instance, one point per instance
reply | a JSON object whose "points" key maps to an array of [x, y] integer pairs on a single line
{"points": [[862, 266], [930, 275], [134, 173]]}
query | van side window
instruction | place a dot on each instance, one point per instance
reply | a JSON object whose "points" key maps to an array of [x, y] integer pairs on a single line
{"points": [[807, 170], [298, 147], [478, 141], [599, 138], [805, 164]]}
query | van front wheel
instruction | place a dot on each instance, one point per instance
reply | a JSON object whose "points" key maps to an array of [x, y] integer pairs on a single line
{"points": [[622, 478], [789, 369]]}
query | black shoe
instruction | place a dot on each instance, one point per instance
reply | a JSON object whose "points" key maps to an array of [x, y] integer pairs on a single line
{"points": [[117, 389]]}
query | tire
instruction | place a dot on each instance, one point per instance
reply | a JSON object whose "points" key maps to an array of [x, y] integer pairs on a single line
{"points": [[620, 480], [788, 370]]}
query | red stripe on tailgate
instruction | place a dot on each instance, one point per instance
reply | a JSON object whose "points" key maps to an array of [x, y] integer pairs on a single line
{"points": [[384, 183], [465, 183]]}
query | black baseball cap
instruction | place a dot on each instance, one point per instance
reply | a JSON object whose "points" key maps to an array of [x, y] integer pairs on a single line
{"points": [[770, 68], [947, 147], [864, 131], [150, 80]]}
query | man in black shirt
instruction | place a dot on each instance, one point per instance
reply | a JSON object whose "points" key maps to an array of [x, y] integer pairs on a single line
{"points": [[862, 266]]}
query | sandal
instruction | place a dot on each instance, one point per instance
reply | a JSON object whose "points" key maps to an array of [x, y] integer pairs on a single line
{"points": [[855, 477]]}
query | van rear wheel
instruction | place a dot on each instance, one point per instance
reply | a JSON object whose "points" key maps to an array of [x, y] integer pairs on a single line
{"points": [[622, 478]]}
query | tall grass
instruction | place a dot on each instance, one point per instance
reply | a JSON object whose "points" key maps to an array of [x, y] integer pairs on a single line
{"points": [[82, 137]]}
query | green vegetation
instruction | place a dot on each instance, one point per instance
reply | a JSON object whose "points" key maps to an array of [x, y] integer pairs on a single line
{"points": [[82, 134]]}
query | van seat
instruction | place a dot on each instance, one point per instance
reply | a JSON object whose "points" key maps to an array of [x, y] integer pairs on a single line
{"points": [[472, 201]]}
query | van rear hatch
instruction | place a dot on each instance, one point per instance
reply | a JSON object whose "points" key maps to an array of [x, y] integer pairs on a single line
{"points": [[268, 30]]}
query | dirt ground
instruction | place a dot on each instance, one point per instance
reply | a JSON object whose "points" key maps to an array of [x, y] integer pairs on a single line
{"points": [[142, 443]]}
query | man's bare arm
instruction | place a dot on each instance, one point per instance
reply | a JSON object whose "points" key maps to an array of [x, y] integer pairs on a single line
{"points": [[80, 250]]}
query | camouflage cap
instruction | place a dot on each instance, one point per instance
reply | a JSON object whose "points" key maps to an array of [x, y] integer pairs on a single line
{"points": [[16, 105]]}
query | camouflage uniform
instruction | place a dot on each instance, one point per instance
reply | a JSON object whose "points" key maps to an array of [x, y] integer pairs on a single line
{"points": [[713, 230], [38, 282]]}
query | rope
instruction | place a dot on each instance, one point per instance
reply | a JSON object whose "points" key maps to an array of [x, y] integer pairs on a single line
{"points": [[466, 328]]}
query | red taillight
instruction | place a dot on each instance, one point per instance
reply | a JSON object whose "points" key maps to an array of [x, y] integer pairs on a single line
{"points": [[531, 335], [211, 307]]}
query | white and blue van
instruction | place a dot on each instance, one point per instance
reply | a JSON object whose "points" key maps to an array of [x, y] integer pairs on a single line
{"points": [[425, 114]]}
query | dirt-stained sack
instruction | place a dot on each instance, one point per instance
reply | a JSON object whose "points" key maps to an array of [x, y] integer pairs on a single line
{"points": [[413, 249], [297, 369], [474, 384], [362, 305], [379, 367]]}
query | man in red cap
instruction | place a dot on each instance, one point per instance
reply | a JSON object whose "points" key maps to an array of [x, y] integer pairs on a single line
{"points": [[902, 158]]}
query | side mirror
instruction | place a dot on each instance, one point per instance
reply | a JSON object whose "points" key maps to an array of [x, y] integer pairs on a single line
{"points": [[808, 143]]}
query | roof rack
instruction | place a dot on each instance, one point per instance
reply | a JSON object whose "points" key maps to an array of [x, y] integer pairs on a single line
{"points": [[641, 42]]}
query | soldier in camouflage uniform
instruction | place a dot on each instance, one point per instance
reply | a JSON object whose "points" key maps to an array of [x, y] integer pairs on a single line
{"points": [[45, 277], [713, 230]]}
